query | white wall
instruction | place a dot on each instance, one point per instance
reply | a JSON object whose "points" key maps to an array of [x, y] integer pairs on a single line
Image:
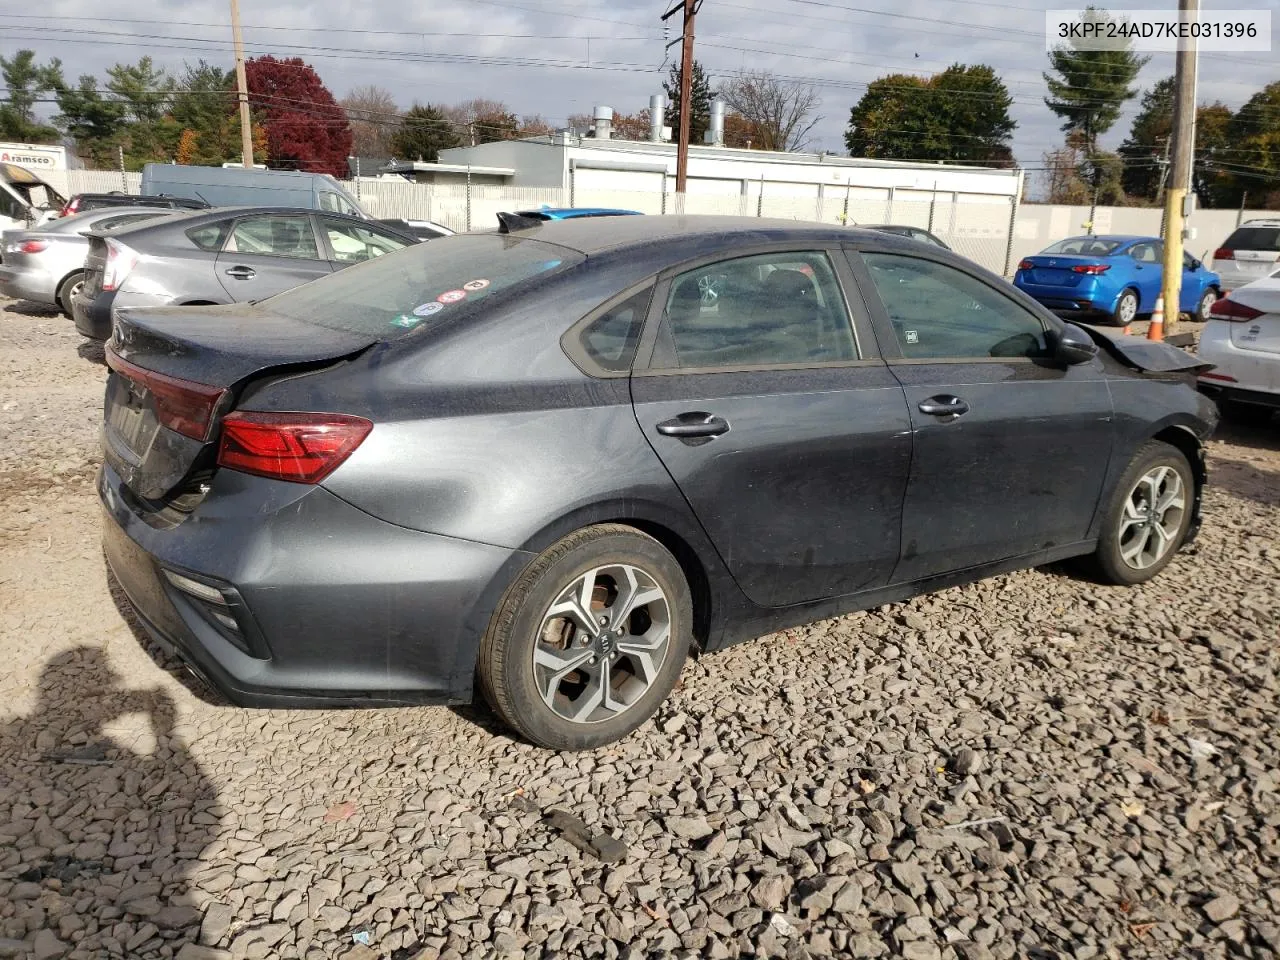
{"points": [[976, 226]]}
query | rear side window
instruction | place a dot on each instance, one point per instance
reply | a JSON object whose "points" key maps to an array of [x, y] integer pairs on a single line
{"points": [[392, 294], [110, 223], [608, 340], [210, 236], [1255, 238], [1083, 247], [768, 310], [329, 201]]}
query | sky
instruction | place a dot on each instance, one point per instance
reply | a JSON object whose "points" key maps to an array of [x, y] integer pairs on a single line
{"points": [[555, 58]]}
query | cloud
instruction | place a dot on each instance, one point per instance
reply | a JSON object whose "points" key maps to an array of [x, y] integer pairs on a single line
{"points": [[555, 60]]}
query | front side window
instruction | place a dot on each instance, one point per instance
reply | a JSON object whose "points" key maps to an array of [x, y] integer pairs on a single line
{"points": [[766, 310], [354, 243], [274, 236], [941, 312]]}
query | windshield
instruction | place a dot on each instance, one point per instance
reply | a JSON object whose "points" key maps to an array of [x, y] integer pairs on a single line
{"points": [[1083, 247], [393, 294]]}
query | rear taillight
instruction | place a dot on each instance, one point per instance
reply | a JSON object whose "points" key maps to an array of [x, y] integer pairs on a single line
{"points": [[1091, 268], [120, 261], [1233, 311], [33, 246], [1025, 264], [1224, 253], [301, 447], [72, 206], [183, 406]]}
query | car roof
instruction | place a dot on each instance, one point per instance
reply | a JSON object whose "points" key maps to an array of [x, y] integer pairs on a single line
{"points": [[590, 235]]}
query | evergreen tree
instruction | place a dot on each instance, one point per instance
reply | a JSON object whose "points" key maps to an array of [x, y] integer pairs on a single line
{"points": [[1091, 86], [700, 112], [25, 81], [423, 133]]}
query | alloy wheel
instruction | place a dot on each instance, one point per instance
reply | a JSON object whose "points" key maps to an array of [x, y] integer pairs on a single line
{"points": [[1128, 307], [1152, 517], [602, 643]]}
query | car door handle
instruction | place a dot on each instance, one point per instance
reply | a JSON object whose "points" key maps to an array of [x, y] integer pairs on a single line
{"points": [[694, 424], [944, 405], [242, 273]]}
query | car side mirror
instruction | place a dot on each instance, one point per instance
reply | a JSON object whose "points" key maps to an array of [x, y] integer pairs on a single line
{"points": [[1074, 345], [1196, 264]]}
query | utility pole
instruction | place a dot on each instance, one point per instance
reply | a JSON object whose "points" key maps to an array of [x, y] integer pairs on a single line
{"points": [[690, 8], [1184, 115], [246, 125]]}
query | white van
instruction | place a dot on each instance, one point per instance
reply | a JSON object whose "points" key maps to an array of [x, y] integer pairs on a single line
{"points": [[241, 187], [25, 200]]}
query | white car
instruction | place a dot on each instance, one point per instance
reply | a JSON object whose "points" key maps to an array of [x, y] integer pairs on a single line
{"points": [[1249, 254], [1242, 340]]}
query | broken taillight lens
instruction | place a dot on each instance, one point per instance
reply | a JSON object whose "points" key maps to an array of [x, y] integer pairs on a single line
{"points": [[184, 406]]}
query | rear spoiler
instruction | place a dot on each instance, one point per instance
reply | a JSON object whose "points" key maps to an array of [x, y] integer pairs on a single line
{"points": [[1152, 356]]}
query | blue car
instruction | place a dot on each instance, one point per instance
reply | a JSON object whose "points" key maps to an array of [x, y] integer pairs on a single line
{"points": [[571, 213], [1115, 277]]}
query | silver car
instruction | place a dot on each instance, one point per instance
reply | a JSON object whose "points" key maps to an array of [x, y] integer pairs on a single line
{"points": [[231, 255], [1250, 253], [46, 264]]}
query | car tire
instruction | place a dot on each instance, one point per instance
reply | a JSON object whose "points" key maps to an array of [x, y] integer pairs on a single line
{"points": [[1207, 300], [1246, 414], [1133, 547], [67, 290], [1126, 310], [538, 663]]}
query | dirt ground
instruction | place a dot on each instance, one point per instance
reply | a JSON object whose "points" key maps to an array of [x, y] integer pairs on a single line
{"points": [[1029, 766]]}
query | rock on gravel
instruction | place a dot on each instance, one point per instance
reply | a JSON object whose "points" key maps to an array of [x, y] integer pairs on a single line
{"points": [[1002, 770]]}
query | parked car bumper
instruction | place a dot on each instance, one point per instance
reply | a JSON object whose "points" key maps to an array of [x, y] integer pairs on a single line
{"points": [[331, 606], [1086, 299], [1249, 376], [28, 284], [93, 315]]}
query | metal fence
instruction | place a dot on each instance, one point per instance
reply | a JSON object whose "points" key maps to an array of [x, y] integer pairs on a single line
{"points": [[993, 233]]}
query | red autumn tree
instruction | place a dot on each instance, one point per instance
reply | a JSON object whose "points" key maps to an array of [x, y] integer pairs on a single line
{"points": [[306, 128]]}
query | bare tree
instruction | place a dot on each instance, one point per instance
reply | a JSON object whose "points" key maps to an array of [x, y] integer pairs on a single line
{"points": [[374, 119], [480, 120], [781, 112]]}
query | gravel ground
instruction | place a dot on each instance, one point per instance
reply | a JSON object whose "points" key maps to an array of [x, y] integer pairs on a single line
{"points": [[1031, 766]]}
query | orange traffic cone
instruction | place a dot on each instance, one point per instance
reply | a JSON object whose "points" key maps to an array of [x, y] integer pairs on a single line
{"points": [[1156, 330]]}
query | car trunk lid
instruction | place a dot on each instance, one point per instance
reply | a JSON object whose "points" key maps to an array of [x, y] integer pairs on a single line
{"points": [[1058, 270], [1259, 333], [176, 372]]}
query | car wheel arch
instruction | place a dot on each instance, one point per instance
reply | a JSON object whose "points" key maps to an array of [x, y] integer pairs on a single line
{"points": [[692, 551], [1184, 439], [64, 279]]}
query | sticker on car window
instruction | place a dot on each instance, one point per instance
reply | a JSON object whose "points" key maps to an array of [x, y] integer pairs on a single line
{"points": [[912, 336], [404, 320], [471, 286], [427, 309], [451, 296]]}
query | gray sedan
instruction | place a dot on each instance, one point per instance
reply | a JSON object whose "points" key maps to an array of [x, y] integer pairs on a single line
{"points": [[46, 265], [232, 255]]}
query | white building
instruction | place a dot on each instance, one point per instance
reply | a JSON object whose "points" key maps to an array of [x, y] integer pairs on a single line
{"points": [[588, 164]]}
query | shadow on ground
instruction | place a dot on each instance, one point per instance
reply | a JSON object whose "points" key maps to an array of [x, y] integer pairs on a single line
{"points": [[103, 830]]}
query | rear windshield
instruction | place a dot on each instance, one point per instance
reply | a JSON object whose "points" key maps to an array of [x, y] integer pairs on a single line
{"points": [[396, 293], [1083, 247], [1255, 238]]}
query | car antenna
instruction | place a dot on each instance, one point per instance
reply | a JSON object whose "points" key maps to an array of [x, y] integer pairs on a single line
{"points": [[511, 222]]}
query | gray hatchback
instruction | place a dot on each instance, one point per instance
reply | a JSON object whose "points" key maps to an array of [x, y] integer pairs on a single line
{"points": [[232, 255]]}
